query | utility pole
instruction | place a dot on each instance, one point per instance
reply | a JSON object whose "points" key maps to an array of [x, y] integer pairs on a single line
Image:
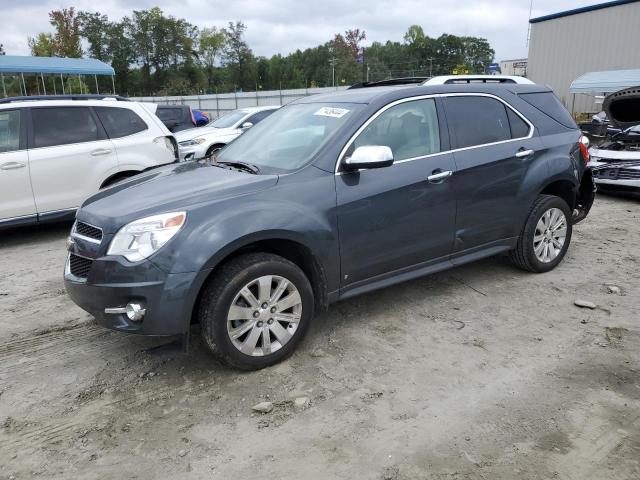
{"points": [[529, 25], [332, 62]]}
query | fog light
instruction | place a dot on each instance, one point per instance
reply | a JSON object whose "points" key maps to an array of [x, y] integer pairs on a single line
{"points": [[134, 312]]}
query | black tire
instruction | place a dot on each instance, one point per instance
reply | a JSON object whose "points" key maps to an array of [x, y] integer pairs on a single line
{"points": [[523, 255], [213, 148], [218, 295]]}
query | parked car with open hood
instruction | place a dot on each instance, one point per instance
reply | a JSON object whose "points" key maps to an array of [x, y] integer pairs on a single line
{"points": [[616, 162], [332, 196], [204, 141]]}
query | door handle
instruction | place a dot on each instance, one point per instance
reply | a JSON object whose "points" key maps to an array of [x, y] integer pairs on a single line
{"points": [[524, 153], [12, 166], [438, 176], [101, 151]]}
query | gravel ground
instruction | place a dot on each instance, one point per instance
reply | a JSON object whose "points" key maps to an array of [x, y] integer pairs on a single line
{"points": [[481, 372]]}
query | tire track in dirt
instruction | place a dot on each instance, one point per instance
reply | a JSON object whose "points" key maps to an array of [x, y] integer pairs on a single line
{"points": [[35, 353]]}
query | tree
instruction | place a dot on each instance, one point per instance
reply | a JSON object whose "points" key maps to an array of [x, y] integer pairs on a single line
{"points": [[415, 36], [211, 45], [2, 50], [67, 36], [237, 56], [95, 27], [43, 45], [353, 38]]}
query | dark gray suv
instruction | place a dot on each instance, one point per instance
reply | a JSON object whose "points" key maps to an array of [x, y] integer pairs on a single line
{"points": [[330, 197]]}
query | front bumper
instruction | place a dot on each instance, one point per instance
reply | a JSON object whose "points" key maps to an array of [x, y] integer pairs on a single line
{"points": [[167, 298], [198, 151]]}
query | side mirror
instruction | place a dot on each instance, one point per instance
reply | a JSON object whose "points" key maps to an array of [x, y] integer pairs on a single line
{"points": [[246, 125], [370, 156]]}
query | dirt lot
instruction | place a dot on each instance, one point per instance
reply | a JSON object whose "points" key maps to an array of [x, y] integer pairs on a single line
{"points": [[482, 372]]}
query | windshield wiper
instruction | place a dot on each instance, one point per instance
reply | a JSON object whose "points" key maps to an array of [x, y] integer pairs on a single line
{"points": [[249, 167]]}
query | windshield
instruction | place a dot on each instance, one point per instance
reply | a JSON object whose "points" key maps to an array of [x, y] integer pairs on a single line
{"points": [[290, 137], [228, 120]]}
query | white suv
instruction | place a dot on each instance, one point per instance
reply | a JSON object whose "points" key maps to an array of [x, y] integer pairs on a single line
{"points": [[54, 153], [203, 141]]}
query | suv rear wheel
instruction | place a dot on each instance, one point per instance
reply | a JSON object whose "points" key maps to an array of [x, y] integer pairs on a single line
{"points": [[256, 310], [545, 238]]}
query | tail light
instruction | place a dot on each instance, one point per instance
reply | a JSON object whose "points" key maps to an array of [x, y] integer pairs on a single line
{"points": [[584, 148]]}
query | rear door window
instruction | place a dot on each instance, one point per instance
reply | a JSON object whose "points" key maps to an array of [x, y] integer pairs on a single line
{"points": [[63, 126], [519, 128], [9, 130], [120, 122], [477, 120]]}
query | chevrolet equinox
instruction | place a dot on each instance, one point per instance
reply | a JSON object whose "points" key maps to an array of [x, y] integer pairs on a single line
{"points": [[331, 196]]}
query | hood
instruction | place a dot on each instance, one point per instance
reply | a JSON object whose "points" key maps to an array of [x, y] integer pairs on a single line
{"points": [[168, 188], [623, 107], [208, 132]]}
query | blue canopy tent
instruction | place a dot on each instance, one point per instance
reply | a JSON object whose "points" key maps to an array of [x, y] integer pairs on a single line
{"points": [[41, 66]]}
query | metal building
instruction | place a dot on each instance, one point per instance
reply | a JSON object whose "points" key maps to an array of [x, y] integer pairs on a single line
{"points": [[563, 46]]}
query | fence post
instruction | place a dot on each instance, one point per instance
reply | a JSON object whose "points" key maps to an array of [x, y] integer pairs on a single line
{"points": [[199, 102], [257, 103], [217, 105]]}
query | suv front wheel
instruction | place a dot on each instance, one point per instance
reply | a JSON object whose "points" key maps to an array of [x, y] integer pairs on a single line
{"points": [[545, 237], [256, 310]]}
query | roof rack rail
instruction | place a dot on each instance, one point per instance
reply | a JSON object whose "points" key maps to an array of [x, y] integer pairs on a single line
{"points": [[391, 82], [64, 97]]}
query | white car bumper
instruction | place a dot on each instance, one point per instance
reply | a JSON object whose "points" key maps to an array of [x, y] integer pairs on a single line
{"points": [[617, 173], [198, 151]]}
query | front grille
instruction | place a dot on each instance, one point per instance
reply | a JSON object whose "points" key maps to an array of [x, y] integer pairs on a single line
{"points": [[628, 174], [618, 174], [79, 266], [89, 231]]}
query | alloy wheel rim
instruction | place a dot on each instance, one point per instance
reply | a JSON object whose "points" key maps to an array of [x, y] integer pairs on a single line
{"points": [[264, 315], [550, 235]]}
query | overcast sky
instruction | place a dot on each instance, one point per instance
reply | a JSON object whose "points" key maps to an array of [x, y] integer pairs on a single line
{"points": [[282, 26]]}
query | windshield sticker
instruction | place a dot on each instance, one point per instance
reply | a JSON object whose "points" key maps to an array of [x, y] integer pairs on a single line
{"points": [[332, 112]]}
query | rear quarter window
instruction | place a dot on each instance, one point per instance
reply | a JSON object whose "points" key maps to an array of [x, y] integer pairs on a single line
{"points": [[120, 122], [549, 104]]}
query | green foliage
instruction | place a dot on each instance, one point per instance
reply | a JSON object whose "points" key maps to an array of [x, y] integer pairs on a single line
{"points": [[158, 54], [43, 45], [67, 32], [65, 41]]}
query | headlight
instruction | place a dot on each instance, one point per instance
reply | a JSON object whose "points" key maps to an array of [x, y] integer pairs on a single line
{"points": [[142, 238], [192, 142]]}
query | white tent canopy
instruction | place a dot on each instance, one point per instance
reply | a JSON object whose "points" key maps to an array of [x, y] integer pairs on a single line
{"points": [[594, 83]]}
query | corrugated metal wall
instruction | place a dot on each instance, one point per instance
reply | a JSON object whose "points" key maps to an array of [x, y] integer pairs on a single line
{"points": [[562, 49], [217, 105]]}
